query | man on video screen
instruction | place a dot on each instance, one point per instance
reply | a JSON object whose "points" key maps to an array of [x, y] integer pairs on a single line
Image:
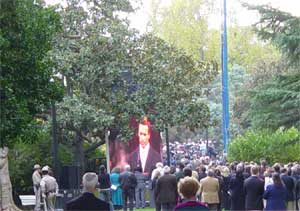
{"points": [[144, 155]]}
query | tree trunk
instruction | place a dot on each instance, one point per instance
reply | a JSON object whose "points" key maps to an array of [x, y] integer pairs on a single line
{"points": [[6, 199], [79, 154]]}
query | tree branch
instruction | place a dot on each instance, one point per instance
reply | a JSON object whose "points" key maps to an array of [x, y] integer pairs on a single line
{"points": [[94, 146]]}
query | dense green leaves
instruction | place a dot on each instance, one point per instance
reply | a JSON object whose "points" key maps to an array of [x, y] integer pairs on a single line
{"points": [[27, 30], [275, 103], [279, 146], [275, 98], [113, 73]]}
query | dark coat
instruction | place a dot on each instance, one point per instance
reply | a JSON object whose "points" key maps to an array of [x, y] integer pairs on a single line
{"points": [[87, 201], [275, 196], [166, 189], [153, 158], [225, 198], [104, 181], [236, 191], [254, 189], [289, 184], [127, 181]]}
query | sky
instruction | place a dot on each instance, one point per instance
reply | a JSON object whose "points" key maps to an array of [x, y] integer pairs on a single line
{"points": [[140, 18], [244, 17]]}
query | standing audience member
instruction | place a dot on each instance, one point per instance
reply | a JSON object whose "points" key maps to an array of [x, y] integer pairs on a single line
{"points": [[49, 188], [202, 173], [188, 188], [87, 201], [36, 179], [187, 172], [156, 173], [209, 188], [236, 190], [140, 188], [128, 183], [225, 198], [179, 172], [219, 177], [296, 177], [254, 189], [289, 184], [166, 190], [116, 191], [104, 184], [275, 194]]}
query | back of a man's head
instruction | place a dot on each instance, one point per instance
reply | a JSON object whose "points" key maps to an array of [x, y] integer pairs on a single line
{"points": [[254, 170], [89, 181], [127, 168]]}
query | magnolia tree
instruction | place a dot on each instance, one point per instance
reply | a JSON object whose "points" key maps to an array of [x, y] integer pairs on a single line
{"points": [[112, 72]]}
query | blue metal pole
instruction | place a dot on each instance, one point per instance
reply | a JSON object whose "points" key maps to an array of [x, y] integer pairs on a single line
{"points": [[225, 98]]}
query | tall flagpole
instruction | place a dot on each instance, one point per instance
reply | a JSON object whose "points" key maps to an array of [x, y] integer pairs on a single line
{"points": [[225, 98]]}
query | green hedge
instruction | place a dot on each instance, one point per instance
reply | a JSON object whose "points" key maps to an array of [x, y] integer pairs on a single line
{"points": [[279, 146]]}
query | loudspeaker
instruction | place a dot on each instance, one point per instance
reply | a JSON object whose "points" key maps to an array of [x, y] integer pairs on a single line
{"points": [[70, 177]]}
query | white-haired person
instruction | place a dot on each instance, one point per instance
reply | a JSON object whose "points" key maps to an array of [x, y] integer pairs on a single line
{"points": [[188, 188], [88, 201]]}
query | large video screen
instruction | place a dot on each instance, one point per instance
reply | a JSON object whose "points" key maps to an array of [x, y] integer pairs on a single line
{"points": [[142, 151]]}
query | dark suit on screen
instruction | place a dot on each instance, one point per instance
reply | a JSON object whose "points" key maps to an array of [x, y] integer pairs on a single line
{"points": [[87, 201], [152, 158]]}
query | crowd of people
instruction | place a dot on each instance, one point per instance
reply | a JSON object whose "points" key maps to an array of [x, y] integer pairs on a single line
{"points": [[184, 187]]}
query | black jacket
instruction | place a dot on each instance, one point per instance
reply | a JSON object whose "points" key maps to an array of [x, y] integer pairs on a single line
{"points": [[290, 185], [254, 190], [166, 189], [87, 201], [104, 180], [127, 181], [152, 158]]}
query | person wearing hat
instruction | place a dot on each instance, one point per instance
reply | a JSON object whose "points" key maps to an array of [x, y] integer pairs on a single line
{"points": [[49, 188], [36, 179]]}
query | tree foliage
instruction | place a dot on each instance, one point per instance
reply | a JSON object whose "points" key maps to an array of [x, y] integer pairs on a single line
{"points": [[281, 28], [113, 73], [274, 100], [185, 25], [279, 146], [27, 30]]}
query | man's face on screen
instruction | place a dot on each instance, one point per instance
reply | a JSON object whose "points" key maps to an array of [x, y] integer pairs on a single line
{"points": [[144, 135]]}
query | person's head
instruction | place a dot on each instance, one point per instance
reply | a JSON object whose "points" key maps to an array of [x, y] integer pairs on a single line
{"points": [[37, 167], [225, 171], [187, 172], [159, 165], [180, 166], [45, 170], [239, 168], [276, 179], [210, 173], [102, 169], [127, 168], [188, 187], [144, 132], [254, 170], [167, 170], [276, 167], [89, 182], [284, 171]]}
